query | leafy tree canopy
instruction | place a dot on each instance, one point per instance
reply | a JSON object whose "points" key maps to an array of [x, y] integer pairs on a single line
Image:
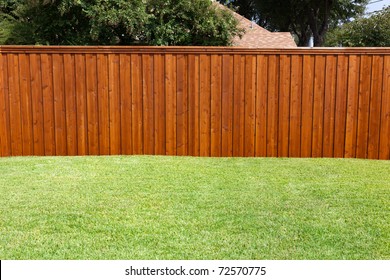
{"points": [[115, 22], [362, 32]]}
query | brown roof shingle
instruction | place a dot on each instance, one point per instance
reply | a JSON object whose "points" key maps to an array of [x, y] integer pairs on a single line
{"points": [[256, 36]]}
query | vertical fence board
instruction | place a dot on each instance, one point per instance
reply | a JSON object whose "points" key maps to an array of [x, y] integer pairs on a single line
{"points": [[5, 135], [148, 104], [37, 104], [92, 104], [384, 140], [307, 106], [284, 105], [295, 106], [15, 105], [239, 105], [114, 104], [70, 104], [261, 106], [227, 106], [341, 101], [59, 104], [204, 105], [48, 104], [182, 106], [159, 104], [81, 105], [364, 106], [272, 110], [170, 104], [26, 106], [250, 105], [104, 104], [216, 105], [126, 104], [136, 110], [375, 107], [329, 105], [318, 106]]}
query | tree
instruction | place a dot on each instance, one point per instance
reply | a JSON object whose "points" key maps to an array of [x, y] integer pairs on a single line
{"points": [[115, 22], [305, 18], [72, 22], [373, 31], [190, 22]]}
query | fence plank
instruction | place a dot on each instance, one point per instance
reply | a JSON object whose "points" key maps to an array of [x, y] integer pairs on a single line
{"points": [[261, 106], [37, 104], [148, 104], [384, 140], [182, 105], [70, 104], [170, 104], [284, 105], [341, 103], [307, 106], [193, 105], [48, 104], [15, 105], [5, 135], [159, 104], [375, 107], [114, 104], [136, 110], [59, 105], [126, 104], [329, 105], [216, 106], [295, 106], [250, 105], [227, 106], [26, 106], [204, 105], [364, 106], [103, 104], [239, 105], [318, 106], [81, 105], [92, 104]]}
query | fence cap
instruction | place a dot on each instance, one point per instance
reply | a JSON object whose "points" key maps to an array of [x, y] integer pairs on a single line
{"points": [[186, 50]]}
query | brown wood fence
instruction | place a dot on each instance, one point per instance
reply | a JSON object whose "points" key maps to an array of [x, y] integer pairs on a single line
{"points": [[195, 101]]}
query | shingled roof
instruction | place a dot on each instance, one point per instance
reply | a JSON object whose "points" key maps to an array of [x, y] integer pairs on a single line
{"points": [[257, 37]]}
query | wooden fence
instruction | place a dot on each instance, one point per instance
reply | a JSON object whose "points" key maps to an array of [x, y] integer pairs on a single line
{"points": [[195, 101]]}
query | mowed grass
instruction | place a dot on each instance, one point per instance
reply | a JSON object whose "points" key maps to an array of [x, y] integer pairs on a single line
{"points": [[141, 207]]}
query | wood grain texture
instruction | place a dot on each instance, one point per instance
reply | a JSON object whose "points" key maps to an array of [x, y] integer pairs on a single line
{"points": [[329, 105], [227, 106], [384, 139], [295, 106], [195, 101], [341, 104], [5, 135], [70, 105], [307, 106], [261, 106]]}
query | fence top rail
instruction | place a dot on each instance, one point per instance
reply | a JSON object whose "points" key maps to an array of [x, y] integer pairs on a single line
{"points": [[186, 50]]}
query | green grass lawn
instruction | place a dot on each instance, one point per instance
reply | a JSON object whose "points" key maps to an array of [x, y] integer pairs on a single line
{"points": [[142, 207]]}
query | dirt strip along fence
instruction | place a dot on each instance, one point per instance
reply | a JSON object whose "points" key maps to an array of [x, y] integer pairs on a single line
{"points": [[195, 101]]}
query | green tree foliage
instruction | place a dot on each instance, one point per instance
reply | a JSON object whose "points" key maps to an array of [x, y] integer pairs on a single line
{"points": [[189, 22], [115, 22], [303, 18], [362, 32]]}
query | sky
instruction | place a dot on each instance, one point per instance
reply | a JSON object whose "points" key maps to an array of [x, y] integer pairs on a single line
{"points": [[377, 5]]}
